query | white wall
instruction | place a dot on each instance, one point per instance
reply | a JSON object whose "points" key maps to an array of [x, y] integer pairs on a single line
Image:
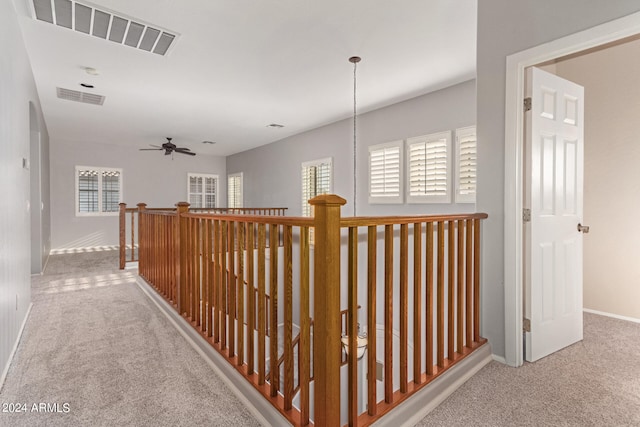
{"points": [[17, 89], [506, 27], [148, 176], [612, 175], [272, 173]]}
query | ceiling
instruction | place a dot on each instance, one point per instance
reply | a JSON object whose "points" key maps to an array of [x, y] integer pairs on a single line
{"points": [[237, 66]]}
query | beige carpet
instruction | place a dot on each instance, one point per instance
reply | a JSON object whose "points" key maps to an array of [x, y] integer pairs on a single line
{"points": [[595, 382], [99, 352]]}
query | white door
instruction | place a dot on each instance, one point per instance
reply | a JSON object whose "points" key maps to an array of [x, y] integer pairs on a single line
{"points": [[554, 194]]}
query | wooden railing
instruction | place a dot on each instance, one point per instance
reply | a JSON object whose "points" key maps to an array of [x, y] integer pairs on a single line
{"points": [[247, 294], [128, 224]]}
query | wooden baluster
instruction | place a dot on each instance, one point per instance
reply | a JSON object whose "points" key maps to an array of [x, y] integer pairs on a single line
{"points": [[251, 309], [197, 249], [429, 300], [451, 250], [304, 358], [352, 331], [208, 273], [273, 310], [461, 264], [326, 363], [372, 238], [288, 318], [232, 289], [388, 313], [224, 283], [262, 321], [469, 283], [217, 280], [404, 306], [440, 298], [476, 280], [417, 303], [241, 293]]}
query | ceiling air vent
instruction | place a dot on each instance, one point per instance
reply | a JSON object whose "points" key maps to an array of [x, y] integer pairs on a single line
{"points": [[104, 24], [76, 95]]}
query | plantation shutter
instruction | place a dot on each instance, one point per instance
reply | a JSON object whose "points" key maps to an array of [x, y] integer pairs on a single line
{"points": [[428, 169], [316, 180], [234, 191], [466, 177], [384, 174], [98, 190]]}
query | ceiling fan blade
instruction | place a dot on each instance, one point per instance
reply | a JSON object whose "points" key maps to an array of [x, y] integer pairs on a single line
{"points": [[151, 149], [156, 146], [185, 151]]}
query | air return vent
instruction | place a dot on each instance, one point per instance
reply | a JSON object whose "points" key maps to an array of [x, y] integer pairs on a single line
{"points": [[104, 24], [76, 95]]}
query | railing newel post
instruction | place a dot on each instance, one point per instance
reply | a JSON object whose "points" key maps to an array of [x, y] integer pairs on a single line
{"points": [[326, 312], [180, 251], [141, 208], [123, 239]]}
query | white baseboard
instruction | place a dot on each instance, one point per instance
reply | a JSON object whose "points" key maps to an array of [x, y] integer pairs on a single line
{"points": [[615, 316], [15, 347], [499, 359]]}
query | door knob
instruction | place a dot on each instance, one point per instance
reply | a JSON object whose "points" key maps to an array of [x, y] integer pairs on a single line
{"points": [[583, 228]]}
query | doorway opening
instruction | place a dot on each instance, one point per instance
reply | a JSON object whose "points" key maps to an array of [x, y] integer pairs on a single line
{"points": [[575, 44]]}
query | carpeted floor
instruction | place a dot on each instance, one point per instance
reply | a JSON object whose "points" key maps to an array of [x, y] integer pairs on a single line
{"points": [[96, 351], [595, 382], [99, 353]]}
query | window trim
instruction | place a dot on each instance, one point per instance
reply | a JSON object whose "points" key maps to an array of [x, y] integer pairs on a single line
{"points": [[461, 133], [423, 199], [382, 199], [99, 169], [229, 178], [317, 162], [204, 175]]}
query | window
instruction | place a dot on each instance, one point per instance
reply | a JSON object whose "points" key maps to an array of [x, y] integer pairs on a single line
{"points": [[98, 190], [316, 180], [203, 190], [234, 190], [466, 161], [385, 172], [429, 172]]}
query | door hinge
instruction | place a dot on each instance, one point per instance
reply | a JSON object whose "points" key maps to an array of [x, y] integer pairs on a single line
{"points": [[527, 104], [526, 215], [526, 325]]}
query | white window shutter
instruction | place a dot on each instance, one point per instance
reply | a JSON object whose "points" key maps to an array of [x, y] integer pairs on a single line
{"points": [[234, 191], [429, 174], [385, 173], [466, 148]]}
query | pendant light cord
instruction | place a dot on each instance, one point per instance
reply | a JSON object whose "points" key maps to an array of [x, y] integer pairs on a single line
{"points": [[354, 60]]}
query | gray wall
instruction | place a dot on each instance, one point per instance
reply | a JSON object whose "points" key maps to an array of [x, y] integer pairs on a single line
{"points": [[272, 173], [17, 90], [506, 27], [148, 176], [39, 187]]}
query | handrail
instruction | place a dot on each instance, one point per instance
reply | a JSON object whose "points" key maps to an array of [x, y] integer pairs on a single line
{"points": [[128, 245], [232, 277]]}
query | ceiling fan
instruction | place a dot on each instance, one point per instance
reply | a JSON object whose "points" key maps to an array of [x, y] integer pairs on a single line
{"points": [[169, 148]]}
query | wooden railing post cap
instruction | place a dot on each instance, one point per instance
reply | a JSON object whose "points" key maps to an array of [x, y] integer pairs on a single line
{"points": [[122, 204], [183, 205], [327, 200], [141, 205]]}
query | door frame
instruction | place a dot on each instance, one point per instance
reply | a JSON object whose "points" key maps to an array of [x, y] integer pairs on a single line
{"points": [[514, 157]]}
